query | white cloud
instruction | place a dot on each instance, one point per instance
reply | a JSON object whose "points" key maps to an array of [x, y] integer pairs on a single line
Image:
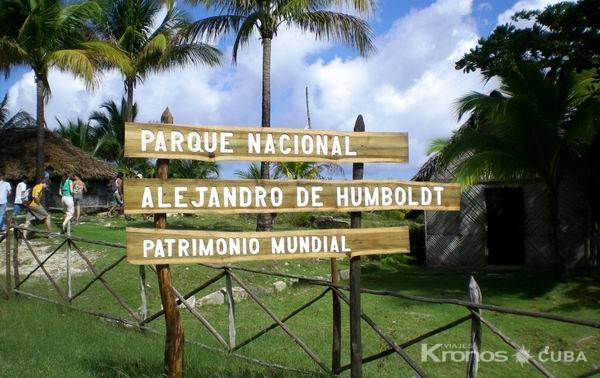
{"points": [[409, 86]]}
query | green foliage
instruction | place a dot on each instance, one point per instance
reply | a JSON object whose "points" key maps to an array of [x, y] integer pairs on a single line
{"points": [[193, 169], [563, 38], [79, 133]]}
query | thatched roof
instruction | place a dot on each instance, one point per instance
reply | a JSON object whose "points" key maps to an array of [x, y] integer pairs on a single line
{"points": [[18, 151]]}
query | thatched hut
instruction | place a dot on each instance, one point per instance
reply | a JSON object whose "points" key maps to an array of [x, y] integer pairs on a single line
{"points": [[18, 148], [504, 225]]}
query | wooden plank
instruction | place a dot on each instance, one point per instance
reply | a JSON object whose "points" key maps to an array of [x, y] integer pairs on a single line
{"points": [[156, 246], [217, 143], [147, 196]]}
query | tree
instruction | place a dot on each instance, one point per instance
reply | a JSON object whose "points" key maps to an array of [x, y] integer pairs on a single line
{"points": [[533, 128], [182, 168], [304, 170], [266, 16], [79, 133], [109, 129], [563, 37], [150, 43], [251, 173], [19, 119], [44, 34]]}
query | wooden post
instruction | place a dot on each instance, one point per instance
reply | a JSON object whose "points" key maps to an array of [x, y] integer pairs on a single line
{"points": [[336, 335], [230, 310], [69, 278], [143, 296], [174, 339], [15, 257], [355, 305], [8, 262], [475, 297]]}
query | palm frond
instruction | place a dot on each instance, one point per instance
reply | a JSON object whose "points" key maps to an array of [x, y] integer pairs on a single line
{"points": [[337, 27]]}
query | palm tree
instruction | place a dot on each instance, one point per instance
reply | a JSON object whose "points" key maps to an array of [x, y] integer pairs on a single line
{"points": [[44, 34], [535, 127], [151, 44], [109, 129], [193, 169], [304, 170], [19, 119], [250, 173], [79, 133], [266, 16]]}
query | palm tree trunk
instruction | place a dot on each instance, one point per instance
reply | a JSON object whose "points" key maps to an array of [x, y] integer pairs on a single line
{"points": [[129, 87], [41, 125], [264, 222]]}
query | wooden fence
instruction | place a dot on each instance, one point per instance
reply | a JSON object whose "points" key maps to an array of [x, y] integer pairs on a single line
{"points": [[136, 315]]}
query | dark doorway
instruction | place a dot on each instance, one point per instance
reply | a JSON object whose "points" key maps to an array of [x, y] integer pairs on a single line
{"points": [[505, 221]]}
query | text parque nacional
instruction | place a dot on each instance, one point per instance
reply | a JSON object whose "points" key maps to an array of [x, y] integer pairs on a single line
{"points": [[175, 141]]}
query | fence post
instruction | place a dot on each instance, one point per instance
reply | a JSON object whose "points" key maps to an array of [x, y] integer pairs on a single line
{"points": [[230, 310], [15, 257], [7, 241], [336, 336], [355, 304], [475, 345], [69, 276], [143, 296]]}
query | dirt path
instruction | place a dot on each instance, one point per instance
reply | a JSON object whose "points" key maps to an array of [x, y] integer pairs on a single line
{"points": [[55, 265]]}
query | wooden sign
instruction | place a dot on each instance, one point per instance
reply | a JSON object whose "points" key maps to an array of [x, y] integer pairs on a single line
{"points": [[148, 246], [147, 196], [214, 143]]}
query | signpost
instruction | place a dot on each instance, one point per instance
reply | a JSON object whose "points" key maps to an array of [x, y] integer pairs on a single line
{"points": [[161, 196]]}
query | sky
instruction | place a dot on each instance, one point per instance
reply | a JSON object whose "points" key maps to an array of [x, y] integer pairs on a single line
{"points": [[410, 84]]}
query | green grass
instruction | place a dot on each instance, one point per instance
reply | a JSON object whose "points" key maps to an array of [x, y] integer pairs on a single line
{"points": [[39, 338]]}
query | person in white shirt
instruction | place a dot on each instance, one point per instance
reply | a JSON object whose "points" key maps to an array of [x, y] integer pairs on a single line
{"points": [[20, 191], [5, 190]]}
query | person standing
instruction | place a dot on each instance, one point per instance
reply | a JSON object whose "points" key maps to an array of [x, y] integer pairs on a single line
{"points": [[5, 190], [20, 196], [78, 189], [117, 188], [35, 209], [66, 198]]}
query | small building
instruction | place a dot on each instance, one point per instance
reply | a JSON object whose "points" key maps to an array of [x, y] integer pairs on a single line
{"points": [[18, 148], [501, 225]]}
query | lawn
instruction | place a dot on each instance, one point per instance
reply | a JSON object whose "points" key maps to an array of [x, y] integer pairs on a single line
{"points": [[41, 338]]}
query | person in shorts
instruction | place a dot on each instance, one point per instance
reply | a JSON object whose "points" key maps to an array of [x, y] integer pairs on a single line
{"points": [[35, 210], [78, 189], [66, 198], [20, 196]]}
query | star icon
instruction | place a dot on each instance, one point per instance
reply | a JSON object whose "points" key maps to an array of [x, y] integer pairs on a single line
{"points": [[522, 356]]}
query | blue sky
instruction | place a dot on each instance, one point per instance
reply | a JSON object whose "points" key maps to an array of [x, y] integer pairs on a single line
{"points": [[410, 85]]}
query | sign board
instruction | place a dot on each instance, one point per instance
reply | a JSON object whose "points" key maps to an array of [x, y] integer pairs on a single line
{"points": [[147, 196], [158, 246], [214, 143]]}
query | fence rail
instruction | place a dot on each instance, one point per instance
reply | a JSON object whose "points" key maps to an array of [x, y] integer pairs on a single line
{"points": [[15, 244]]}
